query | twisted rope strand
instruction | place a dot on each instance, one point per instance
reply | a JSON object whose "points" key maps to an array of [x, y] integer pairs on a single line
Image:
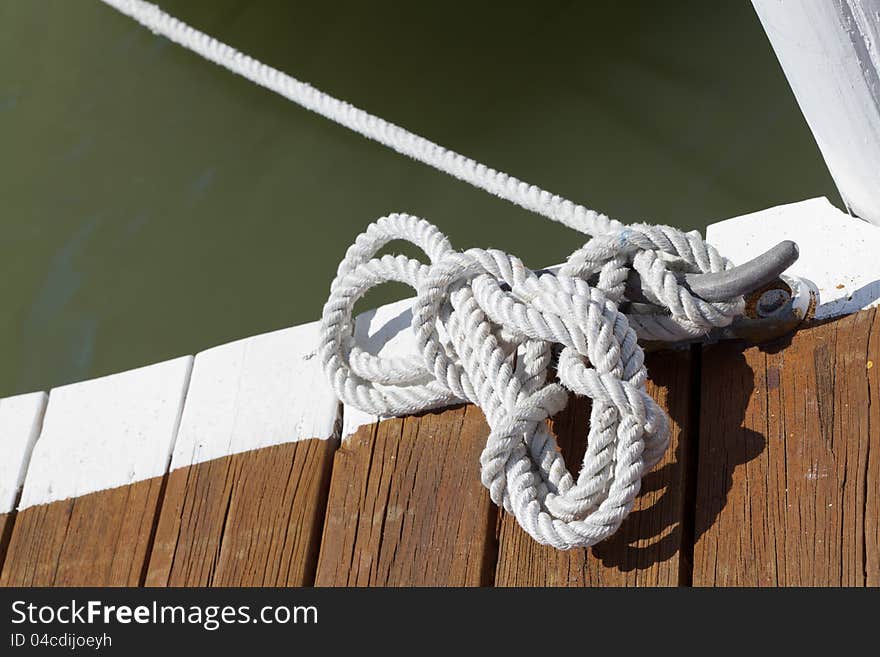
{"points": [[497, 183], [489, 329]]}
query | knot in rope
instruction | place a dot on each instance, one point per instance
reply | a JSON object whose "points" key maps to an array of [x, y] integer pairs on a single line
{"points": [[489, 329]]}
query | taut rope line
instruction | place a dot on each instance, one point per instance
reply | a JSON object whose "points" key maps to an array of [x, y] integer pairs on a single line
{"points": [[489, 329], [372, 127]]}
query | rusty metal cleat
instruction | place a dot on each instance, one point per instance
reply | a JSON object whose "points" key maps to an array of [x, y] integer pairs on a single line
{"points": [[772, 311], [775, 303]]}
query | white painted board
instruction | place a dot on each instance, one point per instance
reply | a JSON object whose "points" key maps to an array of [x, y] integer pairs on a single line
{"points": [[839, 253], [270, 389], [107, 432], [384, 331], [20, 420], [830, 52], [257, 392]]}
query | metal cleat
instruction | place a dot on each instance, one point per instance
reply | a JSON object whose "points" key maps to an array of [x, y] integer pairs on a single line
{"points": [[775, 303], [772, 311]]}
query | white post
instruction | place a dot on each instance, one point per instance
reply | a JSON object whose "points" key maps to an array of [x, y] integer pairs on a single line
{"points": [[830, 52]]}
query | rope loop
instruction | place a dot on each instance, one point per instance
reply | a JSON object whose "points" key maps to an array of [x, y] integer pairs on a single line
{"points": [[489, 330]]}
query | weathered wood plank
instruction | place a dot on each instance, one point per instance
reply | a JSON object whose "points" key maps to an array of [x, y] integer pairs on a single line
{"points": [[646, 550], [244, 504], [21, 418], [93, 486], [787, 471], [248, 519], [872, 478], [98, 539], [406, 506], [7, 521]]}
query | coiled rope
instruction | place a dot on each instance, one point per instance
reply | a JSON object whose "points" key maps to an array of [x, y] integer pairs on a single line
{"points": [[489, 329]]}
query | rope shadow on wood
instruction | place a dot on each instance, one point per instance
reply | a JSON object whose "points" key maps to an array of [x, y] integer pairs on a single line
{"points": [[655, 532], [804, 512], [645, 551]]}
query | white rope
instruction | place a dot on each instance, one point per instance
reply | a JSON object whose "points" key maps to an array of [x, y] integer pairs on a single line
{"points": [[372, 127], [489, 329]]}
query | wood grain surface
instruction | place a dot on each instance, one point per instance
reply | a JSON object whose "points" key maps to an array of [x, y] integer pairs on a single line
{"points": [[646, 551], [249, 519], [406, 505], [99, 539], [772, 479], [7, 521], [788, 479]]}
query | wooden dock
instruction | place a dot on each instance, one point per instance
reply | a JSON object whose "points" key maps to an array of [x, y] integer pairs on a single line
{"points": [[239, 467], [772, 479]]}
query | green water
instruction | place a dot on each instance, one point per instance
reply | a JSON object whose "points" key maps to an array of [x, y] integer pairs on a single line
{"points": [[154, 205]]}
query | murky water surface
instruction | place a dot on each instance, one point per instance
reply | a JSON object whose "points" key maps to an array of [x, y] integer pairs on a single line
{"points": [[154, 205]]}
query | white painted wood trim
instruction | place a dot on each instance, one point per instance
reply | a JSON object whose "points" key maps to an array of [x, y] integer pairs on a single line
{"points": [[383, 331], [20, 420], [270, 389], [839, 253], [253, 393], [107, 432], [830, 52]]}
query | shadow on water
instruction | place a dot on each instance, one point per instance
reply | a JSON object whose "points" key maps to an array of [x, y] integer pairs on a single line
{"points": [[70, 353]]}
